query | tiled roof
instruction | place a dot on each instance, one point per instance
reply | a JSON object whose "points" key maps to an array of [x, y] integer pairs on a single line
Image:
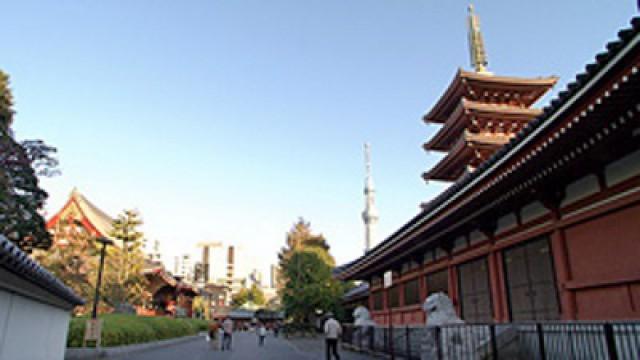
{"points": [[361, 290], [98, 218], [613, 48], [21, 264]]}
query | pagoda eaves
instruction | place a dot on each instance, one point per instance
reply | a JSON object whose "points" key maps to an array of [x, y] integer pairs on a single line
{"points": [[466, 155], [480, 118], [488, 88]]}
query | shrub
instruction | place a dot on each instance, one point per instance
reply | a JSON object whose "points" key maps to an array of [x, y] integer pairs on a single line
{"points": [[121, 329]]}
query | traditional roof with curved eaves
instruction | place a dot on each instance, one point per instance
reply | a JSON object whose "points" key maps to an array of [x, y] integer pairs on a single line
{"points": [[628, 42], [96, 220], [22, 265]]}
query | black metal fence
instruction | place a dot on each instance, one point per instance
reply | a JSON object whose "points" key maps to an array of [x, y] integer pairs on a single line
{"points": [[538, 341]]}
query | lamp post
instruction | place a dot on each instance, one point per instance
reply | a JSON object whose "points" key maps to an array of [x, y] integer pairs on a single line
{"points": [[93, 328], [103, 252]]}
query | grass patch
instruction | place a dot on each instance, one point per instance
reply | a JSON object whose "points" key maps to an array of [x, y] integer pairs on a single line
{"points": [[120, 329]]}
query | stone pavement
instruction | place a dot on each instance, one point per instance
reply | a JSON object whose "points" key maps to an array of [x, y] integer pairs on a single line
{"points": [[245, 347]]}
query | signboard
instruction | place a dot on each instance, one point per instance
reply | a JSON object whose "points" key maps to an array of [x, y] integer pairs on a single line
{"points": [[92, 331], [388, 278]]}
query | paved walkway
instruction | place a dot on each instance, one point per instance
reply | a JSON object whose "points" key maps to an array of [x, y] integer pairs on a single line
{"points": [[245, 347]]}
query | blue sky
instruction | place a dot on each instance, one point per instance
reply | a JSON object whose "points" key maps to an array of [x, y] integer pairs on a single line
{"points": [[226, 120]]}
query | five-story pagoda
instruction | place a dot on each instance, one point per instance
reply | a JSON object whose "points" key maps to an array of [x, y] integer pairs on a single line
{"points": [[479, 112]]}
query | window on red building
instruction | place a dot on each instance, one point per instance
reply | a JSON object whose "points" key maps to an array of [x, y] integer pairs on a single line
{"points": [[438, 282], [412, 292], [378, 302], [394, 297]]}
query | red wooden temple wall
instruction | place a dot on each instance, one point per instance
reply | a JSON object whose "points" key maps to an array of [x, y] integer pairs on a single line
{"points": [[595, 251]]}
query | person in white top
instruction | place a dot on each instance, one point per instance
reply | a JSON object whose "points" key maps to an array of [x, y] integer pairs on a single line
{"points": [[227, 326], [332, 331], [262, 332]]}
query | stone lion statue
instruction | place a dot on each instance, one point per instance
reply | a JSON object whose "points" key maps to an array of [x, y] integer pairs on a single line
{"points": [[363, 327], [455, 341], [362, 317], [440, 311]]}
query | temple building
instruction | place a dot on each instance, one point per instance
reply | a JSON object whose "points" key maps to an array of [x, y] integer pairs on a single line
{"points": [[79, 216], [541, 221], [78, 210]]}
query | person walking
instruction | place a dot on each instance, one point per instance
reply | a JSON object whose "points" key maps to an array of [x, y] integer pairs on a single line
{"points": [[220, 337], [262, 333], [227, 326], [332, 331], [213, 334]]}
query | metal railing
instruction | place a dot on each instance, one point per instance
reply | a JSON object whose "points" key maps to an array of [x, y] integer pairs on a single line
{"points": [[537, 341]]}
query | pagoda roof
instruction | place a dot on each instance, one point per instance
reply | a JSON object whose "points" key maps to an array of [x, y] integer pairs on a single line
{"points": [[469, 111], [469, 146], [489, 88], [524, 148], [95, 219]]}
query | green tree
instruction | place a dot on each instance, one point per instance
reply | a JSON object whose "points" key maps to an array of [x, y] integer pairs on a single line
{"points": [[310, 286], [253, 295], [307, 284], [21, 197], [300, 237], [256, 295], [74, 259], [124, 281], [240, 298], [200, 308]]}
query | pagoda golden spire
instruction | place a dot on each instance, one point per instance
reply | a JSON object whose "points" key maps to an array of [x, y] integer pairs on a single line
{"points": [[476, 43]]}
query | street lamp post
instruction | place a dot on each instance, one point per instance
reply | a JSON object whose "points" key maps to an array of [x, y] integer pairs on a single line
{"points": [[93, 328], [103, 252]]}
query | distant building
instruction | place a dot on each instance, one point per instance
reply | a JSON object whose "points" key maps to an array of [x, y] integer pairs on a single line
{"points": [[154, 254], [255, 278], [273, 279], [183, 267], [219, 267]]}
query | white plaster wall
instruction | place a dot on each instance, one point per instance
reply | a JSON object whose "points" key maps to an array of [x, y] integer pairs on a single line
{"points": [[31, 330]]}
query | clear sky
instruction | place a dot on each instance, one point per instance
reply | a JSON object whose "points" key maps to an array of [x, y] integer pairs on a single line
{"points": [[227, 120]]}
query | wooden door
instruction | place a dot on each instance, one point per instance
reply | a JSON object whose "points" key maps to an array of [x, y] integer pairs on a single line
{"points": [[531, 282], [475, 293]]}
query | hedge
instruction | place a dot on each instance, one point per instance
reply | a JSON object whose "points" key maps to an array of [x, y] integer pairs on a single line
{"points": [[120, 329]]}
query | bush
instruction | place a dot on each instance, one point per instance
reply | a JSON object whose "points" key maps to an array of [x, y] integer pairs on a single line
{"points": [[121, 329]]}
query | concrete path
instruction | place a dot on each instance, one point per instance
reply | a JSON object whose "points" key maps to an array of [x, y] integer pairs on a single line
{"points": [[245, 347]]}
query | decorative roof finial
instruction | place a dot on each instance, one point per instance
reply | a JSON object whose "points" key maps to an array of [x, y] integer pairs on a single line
{"points": [[476, 43]]}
